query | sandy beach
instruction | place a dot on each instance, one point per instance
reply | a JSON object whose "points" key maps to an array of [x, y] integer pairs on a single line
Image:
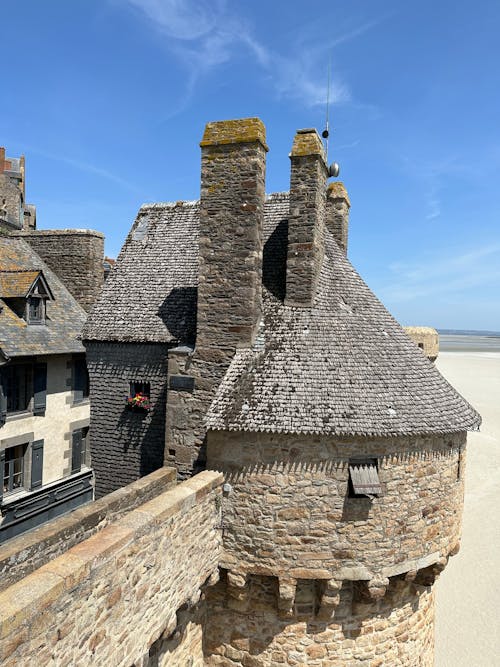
{"points": [[468, 592]]}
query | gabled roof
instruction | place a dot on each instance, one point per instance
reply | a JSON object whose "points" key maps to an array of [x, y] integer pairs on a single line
{"points": [[342, 367], [22, 268], [20, 283], [150, 296]]}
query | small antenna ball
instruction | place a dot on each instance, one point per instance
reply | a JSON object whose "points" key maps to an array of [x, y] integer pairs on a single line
{"points": [[334, 170], [325, 134]]}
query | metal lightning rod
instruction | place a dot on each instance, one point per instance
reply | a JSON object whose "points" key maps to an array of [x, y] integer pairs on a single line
{"points": [[326, 132]]}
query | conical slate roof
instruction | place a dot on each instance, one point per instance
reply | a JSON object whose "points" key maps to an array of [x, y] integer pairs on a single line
{"points": [[342, 367]]}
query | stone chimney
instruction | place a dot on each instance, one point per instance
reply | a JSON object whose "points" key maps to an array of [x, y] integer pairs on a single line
{"points": [[305, 222], [337, 213], [233, 163]]}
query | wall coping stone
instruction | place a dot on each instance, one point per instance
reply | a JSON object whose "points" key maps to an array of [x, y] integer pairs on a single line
{"points": [[27, 597], [23, 554]]}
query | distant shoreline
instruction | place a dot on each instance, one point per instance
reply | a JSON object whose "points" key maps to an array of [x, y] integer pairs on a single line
{"points": [[463, 342], [469, 332]]}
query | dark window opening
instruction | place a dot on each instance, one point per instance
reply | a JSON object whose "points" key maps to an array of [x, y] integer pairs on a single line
{"points": [[171, 452], [421, 345], [17, 381], [85, 447], [36, 308], [81, 383], [139, 396], [13, 472], [363, 478], [140, 388], [80, 450]]}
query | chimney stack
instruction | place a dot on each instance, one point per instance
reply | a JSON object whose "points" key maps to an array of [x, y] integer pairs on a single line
{"points": [[337, 213], [305, 222], [233, 164]]}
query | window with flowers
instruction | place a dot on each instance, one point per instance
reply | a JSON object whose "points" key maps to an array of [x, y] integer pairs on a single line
{"points": [[139, 396]]}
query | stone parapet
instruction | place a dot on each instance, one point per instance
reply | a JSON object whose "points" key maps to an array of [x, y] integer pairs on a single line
{"points": [[24, 554], [129, 594]]}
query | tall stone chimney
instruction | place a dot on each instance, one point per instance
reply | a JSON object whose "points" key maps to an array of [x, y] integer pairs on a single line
{"points": [[307, 208], [233, 163], [337, 213]]}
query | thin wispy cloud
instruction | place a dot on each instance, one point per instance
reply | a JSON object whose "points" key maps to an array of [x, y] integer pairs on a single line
{"points": [[205, 35], [85, 167], [436, 275]]}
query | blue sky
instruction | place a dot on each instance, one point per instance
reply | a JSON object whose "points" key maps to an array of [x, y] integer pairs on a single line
{"points": [[108, 99]]}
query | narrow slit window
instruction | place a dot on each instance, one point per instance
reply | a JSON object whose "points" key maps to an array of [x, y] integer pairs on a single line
{"points": [[363, 478]]}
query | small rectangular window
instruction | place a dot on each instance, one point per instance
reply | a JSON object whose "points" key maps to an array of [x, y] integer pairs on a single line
{"points": [[17, 381], [138, 399], [13, 473], [363, 478], [35, 310], [80, 380], [85, 447]]}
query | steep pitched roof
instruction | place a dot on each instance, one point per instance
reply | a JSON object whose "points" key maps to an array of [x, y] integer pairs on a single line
{"points": [[20, 264], [17, 283], [150, 295], [342, 367]]}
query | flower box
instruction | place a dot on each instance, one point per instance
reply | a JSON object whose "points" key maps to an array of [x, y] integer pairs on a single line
{"points": [[138, 402]]}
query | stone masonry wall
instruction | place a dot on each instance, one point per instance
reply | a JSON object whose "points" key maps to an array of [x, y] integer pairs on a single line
{"points": [[10, 202], [337, 213], [75, 256], [130, 595], [233, 161], [397, 631], [23, 554], [427, 340], [124, 444], [291, 492], [305, 222]]}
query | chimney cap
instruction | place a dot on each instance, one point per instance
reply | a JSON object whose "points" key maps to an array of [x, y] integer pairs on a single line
{"points": [[308, 142], [336, 190], [237, 131]]}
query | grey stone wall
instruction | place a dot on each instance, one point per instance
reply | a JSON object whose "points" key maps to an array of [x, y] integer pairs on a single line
{"points": [[233, 164], [125, 445], [75, 256], [305, 222], [337, 213], [230, 279], [10, 203]]}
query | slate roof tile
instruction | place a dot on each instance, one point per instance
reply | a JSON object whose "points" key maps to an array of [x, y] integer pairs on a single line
{"points": [[342, 367], [65, 317]]}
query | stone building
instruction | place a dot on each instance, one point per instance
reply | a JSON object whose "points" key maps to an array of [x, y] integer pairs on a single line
{"points": [[45, 279], [234, 334]]}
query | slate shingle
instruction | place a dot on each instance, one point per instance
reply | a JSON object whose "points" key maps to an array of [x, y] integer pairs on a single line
{"points": [[342, 367], [65, 317]]}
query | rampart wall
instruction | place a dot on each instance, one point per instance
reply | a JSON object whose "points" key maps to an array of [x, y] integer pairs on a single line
{"points": [[22, 555], [132, 594]]}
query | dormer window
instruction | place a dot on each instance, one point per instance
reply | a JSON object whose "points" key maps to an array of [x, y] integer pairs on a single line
{"points": [[26, 293], [36, 310]]}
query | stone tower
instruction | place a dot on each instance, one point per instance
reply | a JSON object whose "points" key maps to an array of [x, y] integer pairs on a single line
{"points": [[344, 484], [342, 446]]}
